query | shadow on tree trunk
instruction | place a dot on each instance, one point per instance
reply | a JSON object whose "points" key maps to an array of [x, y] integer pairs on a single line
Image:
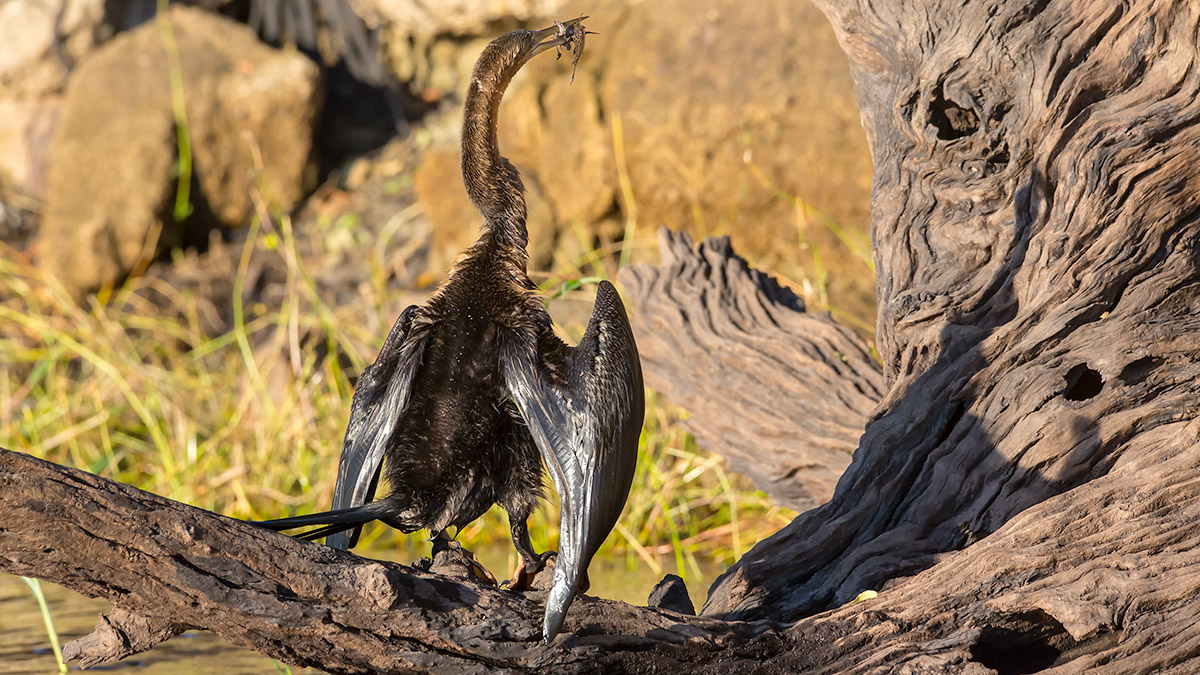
{"points": [[1025, 493]]}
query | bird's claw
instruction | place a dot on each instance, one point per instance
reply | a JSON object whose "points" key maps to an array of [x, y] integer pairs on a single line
{"points": [[451, 559], [527, 574]]}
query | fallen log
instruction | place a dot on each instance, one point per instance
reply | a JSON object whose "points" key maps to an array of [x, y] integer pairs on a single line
{"points": [[1114, 589], [167, 567]]}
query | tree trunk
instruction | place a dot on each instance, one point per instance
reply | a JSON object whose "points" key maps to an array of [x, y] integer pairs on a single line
{"points": [[1025, 494], [1035, 214]]}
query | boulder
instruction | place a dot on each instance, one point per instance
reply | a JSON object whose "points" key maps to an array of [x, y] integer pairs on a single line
{"points": [[26, 129], [110, 171], [437, 182], [430, 45], [730, 109], [41, 40], [733, 118], [450, 17]]}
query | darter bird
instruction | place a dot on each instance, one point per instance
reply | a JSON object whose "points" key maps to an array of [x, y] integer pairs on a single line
{"points": [[472, 391]]}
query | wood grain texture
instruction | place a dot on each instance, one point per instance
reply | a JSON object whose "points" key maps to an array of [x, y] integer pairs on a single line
{"points": [[1036, 230], [1113, 589], [168, 567], [1104, 579], [781, 393], [1025, 494]]}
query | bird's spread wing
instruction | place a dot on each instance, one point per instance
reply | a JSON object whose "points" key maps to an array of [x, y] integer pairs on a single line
{"points": [[380, 398], [584, 408]]}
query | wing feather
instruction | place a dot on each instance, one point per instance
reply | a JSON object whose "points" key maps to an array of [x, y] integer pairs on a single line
{"points": [[585, 416], [382, 394]]}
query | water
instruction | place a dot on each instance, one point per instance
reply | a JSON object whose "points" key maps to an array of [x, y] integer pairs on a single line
{"points": [[25, 648]]}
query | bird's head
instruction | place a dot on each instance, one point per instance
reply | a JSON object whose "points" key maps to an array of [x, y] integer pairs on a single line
{"points": [[492, 183], [505, 55]]}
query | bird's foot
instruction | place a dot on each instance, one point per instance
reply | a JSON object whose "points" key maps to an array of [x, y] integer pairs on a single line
{"points": [[451, 559], [535, 575]]}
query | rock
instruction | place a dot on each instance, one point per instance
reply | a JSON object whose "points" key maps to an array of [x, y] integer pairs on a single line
{"points": [[453, 17], [439, 189], [110, 175], [430, 45], [437, 182], [26, 129], [33, 71], [33, 62], [734, 94], [734, 118], [16, 224], [260, 100]]}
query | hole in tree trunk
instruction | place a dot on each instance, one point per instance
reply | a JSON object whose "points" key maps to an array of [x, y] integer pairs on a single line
{"points": [[952, 121], [1082, 383], [1026, 643], [1033, 641], [1139, 370]]}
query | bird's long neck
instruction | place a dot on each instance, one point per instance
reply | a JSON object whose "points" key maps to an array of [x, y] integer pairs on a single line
{"points": [[492, 182]]}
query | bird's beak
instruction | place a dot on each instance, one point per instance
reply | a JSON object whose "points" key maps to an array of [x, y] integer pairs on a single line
{"points": [[555, 36]]}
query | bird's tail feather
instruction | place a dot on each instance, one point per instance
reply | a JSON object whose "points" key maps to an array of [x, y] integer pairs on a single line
{"points": [[333, 522]]}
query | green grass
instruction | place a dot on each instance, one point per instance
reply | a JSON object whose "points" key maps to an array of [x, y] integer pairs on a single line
{"points": [[249, 422], [35, 587], [183, 166]]}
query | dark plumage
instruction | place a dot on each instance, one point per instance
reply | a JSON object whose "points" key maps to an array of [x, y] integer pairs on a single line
{"points": [[472, 391]]}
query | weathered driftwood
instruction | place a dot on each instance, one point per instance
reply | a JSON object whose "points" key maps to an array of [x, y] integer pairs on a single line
{"points": [[1026, 494], [168, 567], [1036, 227], [1114, 590], [780, 393]]}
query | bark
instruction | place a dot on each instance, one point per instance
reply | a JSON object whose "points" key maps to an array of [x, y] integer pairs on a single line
{"points": [[1035, 213], [1025, 494], [1114, 592], [167, 567]]}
